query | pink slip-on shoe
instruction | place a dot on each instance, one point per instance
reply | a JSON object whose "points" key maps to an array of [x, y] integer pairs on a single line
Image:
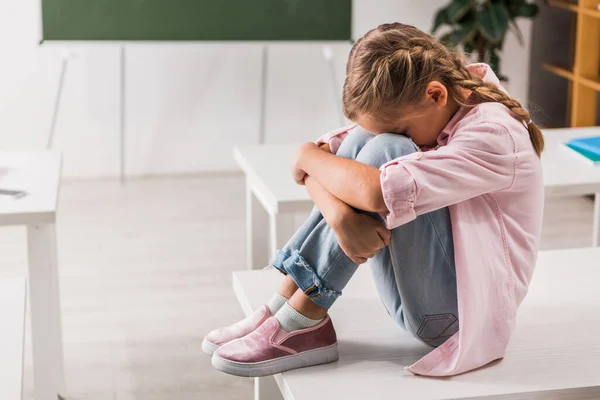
{"points": [[270, 350], [221, 336]]}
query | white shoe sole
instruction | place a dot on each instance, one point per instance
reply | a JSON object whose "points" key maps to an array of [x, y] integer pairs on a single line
{"points": [[209, 347], [307, 358]]}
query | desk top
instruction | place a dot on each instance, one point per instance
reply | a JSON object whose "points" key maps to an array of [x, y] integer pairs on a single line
{"points": [[37, 173], [12, 337], [554, 349], [268, 167], [564, 173]]}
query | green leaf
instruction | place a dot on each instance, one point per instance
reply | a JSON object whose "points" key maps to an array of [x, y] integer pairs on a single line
{"points": [[529, 10], [458, 8], [517, 32], [463, 34], [513, 7], [469, 16], [441, 18], [469, 47], [492, 22], [445, 39], [494, 61]]}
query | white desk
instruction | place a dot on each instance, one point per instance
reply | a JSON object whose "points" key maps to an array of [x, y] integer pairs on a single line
{"points": [[13, 294], [566, 174], [554, 353], [39, 175], [269, 187]]}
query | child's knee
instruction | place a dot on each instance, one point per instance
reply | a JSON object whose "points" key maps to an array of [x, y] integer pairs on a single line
{"points": [[384, 148], [356, 140]]}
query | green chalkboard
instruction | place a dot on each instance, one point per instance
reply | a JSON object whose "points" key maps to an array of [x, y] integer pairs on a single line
{"points": [[210, 20]]}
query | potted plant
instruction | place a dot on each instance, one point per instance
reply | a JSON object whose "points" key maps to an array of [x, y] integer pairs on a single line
{"points": [[479, 27]]}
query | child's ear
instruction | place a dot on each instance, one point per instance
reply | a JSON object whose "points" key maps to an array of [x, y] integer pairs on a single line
{"points": [[436, 93]]}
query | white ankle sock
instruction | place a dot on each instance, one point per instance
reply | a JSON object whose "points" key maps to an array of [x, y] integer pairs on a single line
{"points": [[276, 302], [291, 320]]}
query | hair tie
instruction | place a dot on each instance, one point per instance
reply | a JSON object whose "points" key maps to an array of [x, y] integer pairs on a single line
{"points": [[530, 122]]}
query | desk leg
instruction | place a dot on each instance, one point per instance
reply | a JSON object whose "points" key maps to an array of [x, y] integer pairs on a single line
{"points": [[596, 233], [48, 368], [281, 230], [266, 389], [257, 231]]}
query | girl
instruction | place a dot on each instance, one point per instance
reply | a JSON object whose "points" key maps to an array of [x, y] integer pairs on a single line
{"points": [[439, 183]]}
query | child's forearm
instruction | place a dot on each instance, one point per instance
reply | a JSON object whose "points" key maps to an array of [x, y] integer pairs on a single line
{"points": [[350, 181], [332, 208]]}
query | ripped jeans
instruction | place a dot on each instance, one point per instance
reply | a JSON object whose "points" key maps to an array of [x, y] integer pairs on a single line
{"points": [[414, 276]]}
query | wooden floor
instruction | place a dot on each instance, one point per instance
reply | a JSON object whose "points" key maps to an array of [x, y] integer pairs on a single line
{"points": [[146, 271]]}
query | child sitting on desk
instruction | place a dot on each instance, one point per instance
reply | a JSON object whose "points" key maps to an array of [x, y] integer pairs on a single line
{"points": [[439, 183]]}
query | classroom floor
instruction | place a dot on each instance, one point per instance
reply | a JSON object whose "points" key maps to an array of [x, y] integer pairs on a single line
{"points": [[145, 271]]}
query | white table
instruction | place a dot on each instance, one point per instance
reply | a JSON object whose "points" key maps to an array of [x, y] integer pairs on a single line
{"points": [[566, 174], [13, 293], [38, 174], [269, 187], [554, 353]]}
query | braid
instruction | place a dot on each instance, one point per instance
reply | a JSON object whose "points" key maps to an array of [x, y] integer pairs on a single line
{"points": [[488, 92], [381, 76]]}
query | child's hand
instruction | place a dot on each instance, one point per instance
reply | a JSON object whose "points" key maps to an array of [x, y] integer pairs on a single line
{"points": [[297, 172], [361, 236], [326, 147]]}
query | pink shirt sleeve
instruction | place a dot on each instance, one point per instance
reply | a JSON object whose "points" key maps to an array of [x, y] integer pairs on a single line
{"points": [[477, 160], [335, 138]]}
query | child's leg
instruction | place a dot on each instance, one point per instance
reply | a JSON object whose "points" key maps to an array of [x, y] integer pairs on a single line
{"points": [[414, 275], [319, 266], [416, 278], [350, 148]]}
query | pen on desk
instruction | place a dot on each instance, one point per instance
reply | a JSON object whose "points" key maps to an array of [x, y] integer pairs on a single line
{"points": [[14, 193]]}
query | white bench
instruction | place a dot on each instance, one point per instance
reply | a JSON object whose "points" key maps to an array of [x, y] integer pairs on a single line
{"points": [[270, 188], [554, 353], [13, 293]]}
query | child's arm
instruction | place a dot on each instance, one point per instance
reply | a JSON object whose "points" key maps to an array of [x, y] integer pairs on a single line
{"points": [[359, 235], [332, 208], [352, 182], [480, 159]]}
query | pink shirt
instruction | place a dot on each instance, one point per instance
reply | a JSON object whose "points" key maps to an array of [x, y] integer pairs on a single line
{"points": [[489, 176]]}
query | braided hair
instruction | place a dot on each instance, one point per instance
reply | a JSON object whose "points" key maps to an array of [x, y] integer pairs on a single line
{"points": [[392, 64]]}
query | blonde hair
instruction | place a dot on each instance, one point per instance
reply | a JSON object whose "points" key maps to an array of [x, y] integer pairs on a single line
{"points": [[391, 66]]}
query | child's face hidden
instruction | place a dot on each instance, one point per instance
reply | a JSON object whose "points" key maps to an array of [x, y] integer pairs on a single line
{"points": [[423, 122]]}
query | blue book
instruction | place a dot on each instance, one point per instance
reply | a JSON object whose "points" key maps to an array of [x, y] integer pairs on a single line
{"points": [[588, 146], [595, 159]]}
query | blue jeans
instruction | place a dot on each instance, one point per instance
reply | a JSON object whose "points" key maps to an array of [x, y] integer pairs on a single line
{"points": [[415, 275]]}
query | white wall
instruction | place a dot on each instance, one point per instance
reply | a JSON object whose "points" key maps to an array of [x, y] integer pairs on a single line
{"points": [[187, 104]]}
